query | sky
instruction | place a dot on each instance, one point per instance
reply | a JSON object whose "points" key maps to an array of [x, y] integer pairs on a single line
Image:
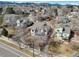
{"points": [[39, 0], [76, 2]]}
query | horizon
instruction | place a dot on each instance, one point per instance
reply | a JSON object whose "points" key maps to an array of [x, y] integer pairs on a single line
{"points": [[51, 2]]}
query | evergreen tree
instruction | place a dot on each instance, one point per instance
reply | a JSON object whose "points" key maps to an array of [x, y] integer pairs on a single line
{"points": [[4, 32]]}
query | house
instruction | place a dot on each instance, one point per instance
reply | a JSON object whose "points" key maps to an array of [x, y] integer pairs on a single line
{"points": [[21, 10], [24, 22], [16, 21], [75, 23], [74, 14], [62, 19], [41, 30], [10, 20], [63, 10], [75, 9], [66, 33], [43, 18], [39, 17], [63, 31], [60, 12]]}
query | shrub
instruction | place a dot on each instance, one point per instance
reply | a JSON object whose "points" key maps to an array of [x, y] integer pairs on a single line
{"points": [[4, 32], [10, 10]]}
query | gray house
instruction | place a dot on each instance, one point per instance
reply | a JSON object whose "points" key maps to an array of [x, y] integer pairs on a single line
{"points": [[41, 30]]}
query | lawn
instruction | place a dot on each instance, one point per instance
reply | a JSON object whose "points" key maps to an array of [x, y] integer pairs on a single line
{"points": [[66, 50]]}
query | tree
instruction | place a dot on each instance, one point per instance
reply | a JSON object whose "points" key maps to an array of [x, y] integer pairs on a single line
{"points": [[53, 47], [1, 9], [42, 46], [31, 42], [70, 7], [10, 10], [4, 32]]}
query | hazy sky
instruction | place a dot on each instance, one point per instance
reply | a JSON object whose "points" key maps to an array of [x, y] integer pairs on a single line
{"points": [[53, 1], [39, 0]]}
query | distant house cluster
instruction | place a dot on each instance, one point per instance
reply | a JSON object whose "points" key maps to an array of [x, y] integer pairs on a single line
{"points": [[38, 18]]}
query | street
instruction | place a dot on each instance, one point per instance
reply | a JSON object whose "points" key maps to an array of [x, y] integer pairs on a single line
{"points": [[6, 51], [27, 51]]}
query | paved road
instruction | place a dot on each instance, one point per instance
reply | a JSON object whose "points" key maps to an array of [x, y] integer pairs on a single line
{"points": [[6, 51], [27, 51]]}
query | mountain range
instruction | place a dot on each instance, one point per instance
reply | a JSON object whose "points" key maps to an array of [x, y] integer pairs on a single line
{"points": [[2, 3]]}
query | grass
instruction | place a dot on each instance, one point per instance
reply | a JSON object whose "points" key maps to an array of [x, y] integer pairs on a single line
{"points": [[66, 50], [76, 48], [62, 49], [11, 30]]}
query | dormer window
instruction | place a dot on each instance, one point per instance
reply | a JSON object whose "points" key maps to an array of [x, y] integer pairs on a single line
{"points": [[21, 21]]}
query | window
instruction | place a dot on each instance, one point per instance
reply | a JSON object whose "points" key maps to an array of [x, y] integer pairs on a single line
{"points": [[63, 29], [41, 30], [32, 30]]}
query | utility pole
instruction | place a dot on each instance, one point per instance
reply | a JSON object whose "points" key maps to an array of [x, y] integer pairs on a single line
{"points": [[33, 50]]}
